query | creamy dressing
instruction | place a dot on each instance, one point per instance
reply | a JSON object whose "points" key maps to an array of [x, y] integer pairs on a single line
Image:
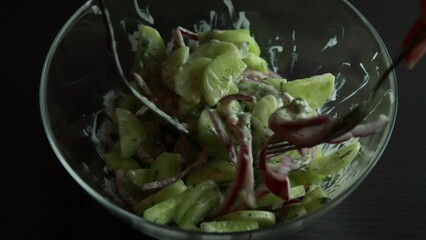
{"points": [[391, 97], [143, 13], [242, 21], [213, 19], [273, 50], [230, 7], [96, 10], [133, 39], [294, 55], [331, 43], [377, 71], [362, 85], [374, 56], [202, 26]]}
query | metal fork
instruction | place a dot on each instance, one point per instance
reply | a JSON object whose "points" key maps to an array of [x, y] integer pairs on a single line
{"points": [[113, 12], [322, 129]]}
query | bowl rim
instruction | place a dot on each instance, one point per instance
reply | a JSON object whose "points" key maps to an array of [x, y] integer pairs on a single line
{"points": [[149, 228]]}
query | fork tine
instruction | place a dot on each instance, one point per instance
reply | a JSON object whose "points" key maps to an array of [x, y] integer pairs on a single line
{"points": [[277, 148]]}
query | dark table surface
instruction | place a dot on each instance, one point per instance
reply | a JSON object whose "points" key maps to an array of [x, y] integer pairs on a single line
{"points": [[42, 201]]}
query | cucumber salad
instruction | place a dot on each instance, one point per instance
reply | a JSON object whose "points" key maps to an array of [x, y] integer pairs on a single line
{"points": [[215, 180]]}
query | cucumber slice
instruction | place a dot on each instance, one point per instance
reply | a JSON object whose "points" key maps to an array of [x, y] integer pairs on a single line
{"points": [[304, 177], [335, 161], [316, 90], [256, 63], [171, 65], [271, 200], [116, 162], [139, 177], [131, 132], [200, 190], [128, 102], [167, 192], [263, 109], [228, 226], [189, 79], [162, 213], [200, 210], [234, 108], [314, 198], [263, 218], [297, 192], [257, 89], [218, 171], [213, 48], [220, 76], [260, 116], [150, 53], [209, 138], [234, 36], [276, 83], [186, 108], [295, 211], [166, 165]]}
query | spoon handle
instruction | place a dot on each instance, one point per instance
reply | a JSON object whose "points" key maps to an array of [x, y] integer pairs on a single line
{"points": [[113, 44]]}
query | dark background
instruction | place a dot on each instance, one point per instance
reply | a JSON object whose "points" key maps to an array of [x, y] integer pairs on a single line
{"points": [[40, 200]]}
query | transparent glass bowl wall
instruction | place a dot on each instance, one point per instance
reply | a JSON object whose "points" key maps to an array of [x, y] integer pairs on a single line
{"points": [[300, 38]]}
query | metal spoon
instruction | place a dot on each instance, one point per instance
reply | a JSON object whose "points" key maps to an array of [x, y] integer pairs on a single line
{"points": [[115, 11]]}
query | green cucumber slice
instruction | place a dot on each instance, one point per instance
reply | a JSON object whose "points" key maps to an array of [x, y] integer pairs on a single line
{"points": [[160, 196], [200, 210], [260, 116], [234, 36], [335, 161], [295, 211], [213, 48], [166, 165], [220, 76], [257, 89], [276, 83], [171, 65], [304, 177], [128, 102], [150, 53], [314, 198], [192, 197], [218, 171], [316, 90], [131, 132], [116, 162], [189, 79], [228, 226], [271, 200], [256, 63], [163, 213], [139, 177], [263, 218], [209, 138]]}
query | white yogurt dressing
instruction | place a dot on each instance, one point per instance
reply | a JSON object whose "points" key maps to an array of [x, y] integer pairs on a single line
{"points": [[143, 13], [230, 7], [273, 50], [331, 43], [362, 85], [294, 55], [241, 22]]}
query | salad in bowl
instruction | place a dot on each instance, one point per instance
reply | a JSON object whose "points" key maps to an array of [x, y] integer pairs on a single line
{"points": [[239, 82]]}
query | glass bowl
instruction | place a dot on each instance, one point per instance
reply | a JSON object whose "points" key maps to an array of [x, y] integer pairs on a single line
{"points": [[298, 38]]}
